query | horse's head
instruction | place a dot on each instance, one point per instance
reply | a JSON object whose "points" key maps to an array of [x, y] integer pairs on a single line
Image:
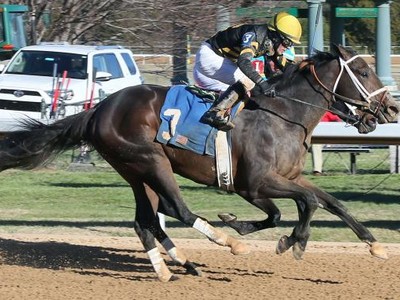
{"points": [[364, 96]]}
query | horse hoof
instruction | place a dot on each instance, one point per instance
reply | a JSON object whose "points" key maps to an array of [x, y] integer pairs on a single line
{"points": [[163, 273], [298, 251], [378, 251], [168, 278], [283, 245], [241, 249], [192, 270], [227, 217], [238, 248]]}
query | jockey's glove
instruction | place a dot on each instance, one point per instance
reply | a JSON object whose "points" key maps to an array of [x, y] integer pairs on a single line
{"points": [[267, 89]]}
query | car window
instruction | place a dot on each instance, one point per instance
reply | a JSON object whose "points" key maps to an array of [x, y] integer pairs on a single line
{"points": [[107, 63], [45, 63], [129, 62]]}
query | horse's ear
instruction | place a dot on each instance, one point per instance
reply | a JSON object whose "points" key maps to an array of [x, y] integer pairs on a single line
{"points": [[342, 51], [335, 49]]}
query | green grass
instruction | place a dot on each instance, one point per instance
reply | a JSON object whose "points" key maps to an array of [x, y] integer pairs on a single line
{"points": [[53, 200]]}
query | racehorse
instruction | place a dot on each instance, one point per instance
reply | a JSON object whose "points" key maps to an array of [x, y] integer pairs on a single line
{"points": [[269, 147]]}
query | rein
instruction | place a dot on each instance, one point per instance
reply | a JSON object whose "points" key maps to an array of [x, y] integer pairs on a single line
{"points": [[364, 104], [349, 118]]}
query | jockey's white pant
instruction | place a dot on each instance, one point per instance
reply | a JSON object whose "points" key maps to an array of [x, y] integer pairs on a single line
{"points": [[215, 72]]}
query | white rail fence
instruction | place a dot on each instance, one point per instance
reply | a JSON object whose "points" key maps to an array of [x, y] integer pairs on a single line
{"points": [[339, 133]]}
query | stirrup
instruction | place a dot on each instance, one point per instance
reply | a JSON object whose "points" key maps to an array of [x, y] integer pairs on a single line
{"points": [[226, 127], [221, 123]]}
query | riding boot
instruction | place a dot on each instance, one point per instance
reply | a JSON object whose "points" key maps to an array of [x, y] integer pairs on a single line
{"points": [[218, 115]]}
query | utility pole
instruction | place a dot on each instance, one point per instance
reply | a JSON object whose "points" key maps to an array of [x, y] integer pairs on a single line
{"points": [[223, 17], [315, 26], [180, 53], [383, 45]]}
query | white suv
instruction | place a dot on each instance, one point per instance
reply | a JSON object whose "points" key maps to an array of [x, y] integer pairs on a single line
{"points": [[51, 81]]}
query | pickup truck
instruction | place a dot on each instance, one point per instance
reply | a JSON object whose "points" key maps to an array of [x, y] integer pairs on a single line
{"points": [[50, 81]]}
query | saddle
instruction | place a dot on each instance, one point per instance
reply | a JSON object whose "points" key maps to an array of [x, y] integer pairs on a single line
{"points": [[203, 93], [181, 127]]}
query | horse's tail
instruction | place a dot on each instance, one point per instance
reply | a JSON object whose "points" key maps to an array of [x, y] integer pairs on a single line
{"points": [[37, 143]]}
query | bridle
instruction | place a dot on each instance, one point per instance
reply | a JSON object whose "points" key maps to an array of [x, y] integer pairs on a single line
{"points": [[365, 103]]}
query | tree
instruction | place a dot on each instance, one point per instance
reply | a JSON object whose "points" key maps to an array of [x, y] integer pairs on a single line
{"points": [[150, 26], [74, 21], [362, 31]]}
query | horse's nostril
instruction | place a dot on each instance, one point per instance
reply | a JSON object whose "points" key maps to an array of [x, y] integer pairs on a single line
{"points": [[372, 121], [393, 110]]}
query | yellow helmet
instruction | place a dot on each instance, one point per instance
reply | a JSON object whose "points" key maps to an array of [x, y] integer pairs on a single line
{"points": [[287, 25]]}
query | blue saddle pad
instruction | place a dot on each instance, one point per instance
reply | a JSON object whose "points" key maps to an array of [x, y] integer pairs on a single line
{"points": [[180, 122]]}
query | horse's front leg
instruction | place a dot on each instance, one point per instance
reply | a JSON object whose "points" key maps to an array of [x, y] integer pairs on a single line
{"points": [[246, 227], [334, 206], [275, 186]]}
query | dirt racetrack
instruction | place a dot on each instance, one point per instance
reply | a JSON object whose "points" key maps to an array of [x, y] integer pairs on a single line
{"points": [[87, 267]]}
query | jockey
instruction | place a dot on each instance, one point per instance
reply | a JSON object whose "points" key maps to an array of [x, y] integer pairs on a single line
{"points": [[223, 62], [269, 67]]}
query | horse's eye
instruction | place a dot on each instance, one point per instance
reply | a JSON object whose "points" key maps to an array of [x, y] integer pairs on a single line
{"points": [[364, 74]]}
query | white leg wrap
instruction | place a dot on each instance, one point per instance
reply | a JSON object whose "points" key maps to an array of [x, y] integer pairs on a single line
{"points": [[212, 233], [173, 252], [159, 264]]}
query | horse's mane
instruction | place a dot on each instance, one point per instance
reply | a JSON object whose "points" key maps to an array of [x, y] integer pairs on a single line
{"points": [[291, 70]]}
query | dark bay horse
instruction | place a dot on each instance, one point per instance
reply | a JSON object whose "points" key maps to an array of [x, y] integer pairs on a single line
{"points": [[269, 147]]}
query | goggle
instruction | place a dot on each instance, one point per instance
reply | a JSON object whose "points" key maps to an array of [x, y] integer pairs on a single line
{"points": [[287, 43]]}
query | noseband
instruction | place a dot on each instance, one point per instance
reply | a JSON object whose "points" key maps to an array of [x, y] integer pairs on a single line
{"points": [[364, 104]]}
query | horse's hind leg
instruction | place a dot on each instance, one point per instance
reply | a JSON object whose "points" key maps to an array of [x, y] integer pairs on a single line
{"points": [[246, 227], [164, 184], [176, 254], [158, 263], [145, 224]]}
